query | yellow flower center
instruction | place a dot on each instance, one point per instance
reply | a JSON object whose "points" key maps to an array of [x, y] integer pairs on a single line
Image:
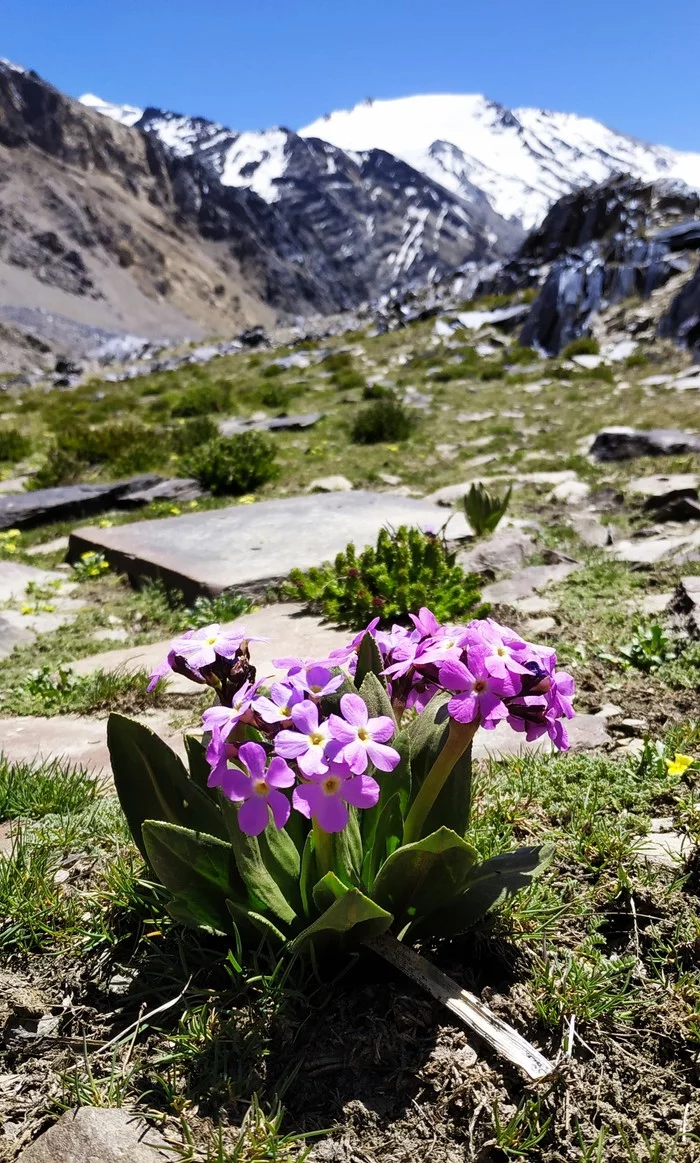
{"points": [[363, 734], [211, 640], [316, 739], [331, 785], [260, 787], [315, 689]]}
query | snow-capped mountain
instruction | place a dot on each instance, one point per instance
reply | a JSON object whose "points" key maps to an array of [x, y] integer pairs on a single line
{"points": [[371, 212], [522, 159]]}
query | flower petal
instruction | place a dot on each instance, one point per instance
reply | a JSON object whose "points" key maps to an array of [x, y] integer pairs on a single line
{"points": [[281, 808], [361, 791], [354, 710], [254, 757], [253, 815], [331, 813]]}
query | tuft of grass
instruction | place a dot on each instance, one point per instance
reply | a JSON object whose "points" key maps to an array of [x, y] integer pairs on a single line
{"points": [[584, 345], [60, 691], [382, 421], [43, 787], [14, 445], [234, 464]]}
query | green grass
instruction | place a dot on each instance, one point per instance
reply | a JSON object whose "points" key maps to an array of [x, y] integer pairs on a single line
{"points": [[39, 788], [62, 692]]}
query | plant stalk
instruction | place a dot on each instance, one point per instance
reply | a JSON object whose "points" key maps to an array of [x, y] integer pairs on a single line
{"points": [[459, 738], [323, 850]]}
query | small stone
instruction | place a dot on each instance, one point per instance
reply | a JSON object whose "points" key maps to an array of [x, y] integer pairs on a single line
{"points": [[261, 423], [610, 711], [621, 443], [571, 492], [88, 1134], [588, 361], [506, 549], [330, 484], [388, 478], [523, 585], [590, 530], [664, 845], [535, 626], [685, 602], [115, 635], [56, 545]]}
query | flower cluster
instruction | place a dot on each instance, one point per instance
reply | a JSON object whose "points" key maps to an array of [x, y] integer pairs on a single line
{"points": [[294, 744]]}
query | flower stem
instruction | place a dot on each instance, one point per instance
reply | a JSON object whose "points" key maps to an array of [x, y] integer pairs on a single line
{"points": [[323, 848], [459, 738]]}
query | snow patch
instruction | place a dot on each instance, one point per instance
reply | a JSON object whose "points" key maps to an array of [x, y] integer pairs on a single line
{"points": [[257, 161], [124, 114]]}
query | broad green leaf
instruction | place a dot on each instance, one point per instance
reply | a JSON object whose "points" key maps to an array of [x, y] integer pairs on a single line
{"points": [[452, 806], [347, 851], [248, 919], [197, 911], [353, 915], [386, 839], [428, 733], [197, 763], [375, 696], [197, 869], [390, 783], [329, 889], [282, 860], [152, 783], [263, 891], [418, 877], [308, 876], [488, 885], [369, 661]]}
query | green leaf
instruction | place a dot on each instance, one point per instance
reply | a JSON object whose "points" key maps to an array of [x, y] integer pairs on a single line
{"points": [[391, 783], [308, 876], [453, 802], [330, 705], [488, 885], [197, 869], [428, 733], [152, 783], [197, 763], [419, 877], [353, 915], [263, 891], [387, 837], [329, 889], [375, 697], [347, 851], [282, 860], [369, 661], [248, 919]]}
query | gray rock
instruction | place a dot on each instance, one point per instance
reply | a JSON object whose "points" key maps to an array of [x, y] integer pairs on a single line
{"points": [[571, 492], [13, 484], [177, 490], [536, 626], [270, 424], [685, 603], [679, 506], [12, 635], [649, 550], [88, 1134], [589, 362], [55, 545], [505, 317], [251, 545], [506, 549], [664, 845], [330, 484], [450, 494], [15, 577], [25, 510], [527, 582], [590, 530], [621, 443], [659, 485]]}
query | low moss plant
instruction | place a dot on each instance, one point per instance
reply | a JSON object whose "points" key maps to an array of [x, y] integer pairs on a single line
{"points": [[335, 803], [14, 445], [404, 571], [234, 464], [584, 345]]}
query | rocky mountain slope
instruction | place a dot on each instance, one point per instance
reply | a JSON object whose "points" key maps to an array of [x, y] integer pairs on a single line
{"points": [[522, 160]]}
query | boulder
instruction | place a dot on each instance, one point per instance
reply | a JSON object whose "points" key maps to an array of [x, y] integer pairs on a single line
{"points": [[506, 549], [685, 603], [88, 1134], [621, 443], [178, 490], [677, 506], [571, 492], [330, 484], [526, 583], [660, 485]]}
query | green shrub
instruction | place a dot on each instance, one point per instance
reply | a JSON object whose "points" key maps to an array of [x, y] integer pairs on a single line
{"points": [[377, 392], [338, 361], [493, 372], [518, 354], [584, 345], [636, 359], [202, 399], [124, 445], [58, 468], [277, 396], [407, 569], [234, 464], [14, 445], [272, 371], [193, 432], [346, 380], [384, 420]]}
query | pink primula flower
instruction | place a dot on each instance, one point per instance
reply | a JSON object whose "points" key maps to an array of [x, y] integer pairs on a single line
{"points": [[257, 788], [326, 797], [363, 739]]}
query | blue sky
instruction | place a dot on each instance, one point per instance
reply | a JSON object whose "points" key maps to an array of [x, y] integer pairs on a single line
{"points": [[255, 63]]}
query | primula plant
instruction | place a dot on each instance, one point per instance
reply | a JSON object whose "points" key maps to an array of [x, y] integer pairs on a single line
{"points": [[334, 800]]}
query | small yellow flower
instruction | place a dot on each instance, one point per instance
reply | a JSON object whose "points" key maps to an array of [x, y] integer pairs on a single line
{"points": [[105, 524], [393, 447], [679, 764], [248, 499], [174, 510], [27, 609]]}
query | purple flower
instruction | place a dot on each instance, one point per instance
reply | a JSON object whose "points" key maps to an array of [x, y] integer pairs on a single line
{"points": [[315, 680], [478, 693], [278, 707], [220, 721], [363, 738], [258, 789], [195, 650], [307, 744], [325, 799]]}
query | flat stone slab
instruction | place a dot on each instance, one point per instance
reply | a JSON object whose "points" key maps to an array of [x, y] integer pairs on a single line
{"points": [[25, 510], [586, 732], [270, 424], [15, 577], [506, 549], [112, 1135], [649, 550], [620, 443], [78, 739], [249, 546], [661, 484], [527, 582], [290, 634], [451, 493], [664, 845]]}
